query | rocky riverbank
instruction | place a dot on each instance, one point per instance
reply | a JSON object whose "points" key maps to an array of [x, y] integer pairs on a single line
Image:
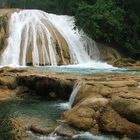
{"points": [[105, 102]]}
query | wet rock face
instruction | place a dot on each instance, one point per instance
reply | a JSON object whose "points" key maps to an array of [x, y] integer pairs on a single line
{"points": [[127, 63], [108, 53], [3, 30], [4, 22]]}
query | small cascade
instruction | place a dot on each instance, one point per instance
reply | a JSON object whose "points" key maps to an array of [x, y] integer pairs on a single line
{"points": [[38, 38], [76, 88]]}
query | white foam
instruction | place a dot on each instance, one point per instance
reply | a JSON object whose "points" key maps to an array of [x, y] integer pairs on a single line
{"points": [[76, 88], [89, 136], [64, 105]]}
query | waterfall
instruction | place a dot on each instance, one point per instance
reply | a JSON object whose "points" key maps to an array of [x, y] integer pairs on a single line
{"points": [[26, 42], [77, 41], [38, 38], [76, 88], [68, 105]]}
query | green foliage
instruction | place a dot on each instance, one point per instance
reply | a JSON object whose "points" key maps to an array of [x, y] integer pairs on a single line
{"points": [[112, 21], [102, 21]]}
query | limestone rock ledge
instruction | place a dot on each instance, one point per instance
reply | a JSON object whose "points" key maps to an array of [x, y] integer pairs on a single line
{"points": [[106, 102]]}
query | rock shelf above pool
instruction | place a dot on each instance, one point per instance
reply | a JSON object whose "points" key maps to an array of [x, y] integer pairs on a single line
{"points": [[105, 102]]}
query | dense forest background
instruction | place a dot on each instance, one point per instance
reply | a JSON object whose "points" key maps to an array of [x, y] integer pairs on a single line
{"points": [[115, 22]]}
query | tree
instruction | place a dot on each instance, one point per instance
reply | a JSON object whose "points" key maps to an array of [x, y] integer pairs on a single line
{"points": [[102, 21], [114, 22]]}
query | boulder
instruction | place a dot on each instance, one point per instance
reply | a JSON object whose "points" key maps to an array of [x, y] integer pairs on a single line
{"points": [[66, 130], [86, 114], [36, 129]]}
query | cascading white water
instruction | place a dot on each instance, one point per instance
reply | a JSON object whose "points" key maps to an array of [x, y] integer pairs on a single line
{"points": [[28, 22], [68, 105], [76, 88], [39, 38], [78, 42]]}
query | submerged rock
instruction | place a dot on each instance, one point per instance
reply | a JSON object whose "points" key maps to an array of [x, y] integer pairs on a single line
{"points": [[26, 123], [42, 131]]}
